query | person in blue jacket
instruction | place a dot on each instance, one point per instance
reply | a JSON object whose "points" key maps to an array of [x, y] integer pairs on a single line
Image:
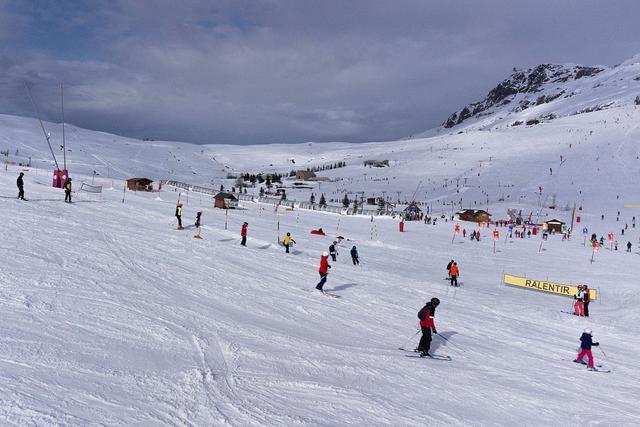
{"points": [[586, 341]]}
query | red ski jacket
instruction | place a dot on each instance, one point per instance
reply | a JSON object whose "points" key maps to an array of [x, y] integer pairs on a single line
{"points": [[243, 232], [428, 321], [324, 265]]}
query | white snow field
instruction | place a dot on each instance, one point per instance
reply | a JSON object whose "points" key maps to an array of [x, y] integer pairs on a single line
{"points": [[111, 316]]}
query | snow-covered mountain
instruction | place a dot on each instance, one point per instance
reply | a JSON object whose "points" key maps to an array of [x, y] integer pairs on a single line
{"points": [[548, 91]]}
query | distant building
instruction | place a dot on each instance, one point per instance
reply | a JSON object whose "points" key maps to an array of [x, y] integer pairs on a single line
{"points": [[474, 215], [224, 200], [376, 163], [140, 184], [553, 225], [305, 175]]}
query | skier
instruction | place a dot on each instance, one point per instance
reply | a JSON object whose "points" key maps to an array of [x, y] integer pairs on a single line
{"points": [[449, 268], [179, 215], [578, 306], [628, 246], [323, 270], [67, 191], [243, 234], [332, 250], [464, 233], [288, 241], [354, 256], [586, 341], [20, 184], [197, 236], [427, 325], [586, 299], [454, 272]]}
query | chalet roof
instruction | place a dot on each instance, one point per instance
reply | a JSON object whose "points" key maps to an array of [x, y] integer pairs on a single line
{"points": [[554, 221], [222, 195]]}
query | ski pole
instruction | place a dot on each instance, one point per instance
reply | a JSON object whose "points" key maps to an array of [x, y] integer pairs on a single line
{"points": [[410, 338], [602, 351], [449, 342]]}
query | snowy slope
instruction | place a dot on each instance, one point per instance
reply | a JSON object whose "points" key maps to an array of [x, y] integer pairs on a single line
{"points": [[111, 316]]}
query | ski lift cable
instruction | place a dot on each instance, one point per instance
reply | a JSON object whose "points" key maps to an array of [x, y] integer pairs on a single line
{"points": [[46, 136]]}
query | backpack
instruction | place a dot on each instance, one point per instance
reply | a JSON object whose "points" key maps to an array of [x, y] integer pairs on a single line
{"points": [[422, 313]]}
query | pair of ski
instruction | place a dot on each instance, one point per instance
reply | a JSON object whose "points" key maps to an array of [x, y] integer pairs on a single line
{"points": [[325, 293], [598, 368], [431, 356]]}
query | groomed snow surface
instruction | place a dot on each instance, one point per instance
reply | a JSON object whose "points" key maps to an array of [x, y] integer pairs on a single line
{"points": [[111, 316]]}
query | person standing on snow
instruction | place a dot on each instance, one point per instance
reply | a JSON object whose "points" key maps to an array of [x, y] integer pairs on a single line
{"points": [[179, 215], [287, 241], [354, 256], [454, 273], [628, 246], [578, 306], [332, 251], [197, 236], [449, 268], [243, 234], [586, 341], [586, 299], [427, 326], [323, 270], [67, 191], [20, 184]]}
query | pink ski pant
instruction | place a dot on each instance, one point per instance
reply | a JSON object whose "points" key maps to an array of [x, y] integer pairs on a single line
{"points": [[589, 355]]}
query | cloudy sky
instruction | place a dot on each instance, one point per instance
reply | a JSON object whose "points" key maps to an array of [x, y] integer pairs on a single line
{"points": [[240, 72]]}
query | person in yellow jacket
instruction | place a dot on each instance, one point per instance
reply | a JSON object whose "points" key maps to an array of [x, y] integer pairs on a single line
{"points": [[179, 215], [67, 191], [287, 241]]}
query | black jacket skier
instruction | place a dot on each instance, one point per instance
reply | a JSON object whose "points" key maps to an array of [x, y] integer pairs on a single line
{"points": [[20, 184], [427, 325], [354, 256], [332, 251]]}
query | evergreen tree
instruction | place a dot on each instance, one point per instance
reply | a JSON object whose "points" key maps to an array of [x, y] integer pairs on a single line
{"points": [[261, 191], [323, 201], [355, 206], [346, 201], [268, 182]]}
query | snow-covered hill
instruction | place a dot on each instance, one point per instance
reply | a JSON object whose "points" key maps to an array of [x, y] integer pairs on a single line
{"points": [[110, 316]]}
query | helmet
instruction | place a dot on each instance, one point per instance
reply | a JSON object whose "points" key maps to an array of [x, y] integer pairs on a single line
{"points": [[588, 331], [288, 234], [435, 301], [325, 253]]}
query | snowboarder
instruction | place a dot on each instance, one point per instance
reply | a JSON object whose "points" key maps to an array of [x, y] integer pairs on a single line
{"points": [[454, 272], [67, 191], [287, 241], [243, 234], [449, 268], [427, 326], [332, 251], [323, 270], [354, 256], [179, 215], [20, 184], [197, 236], [628, 246], [586, 341]]}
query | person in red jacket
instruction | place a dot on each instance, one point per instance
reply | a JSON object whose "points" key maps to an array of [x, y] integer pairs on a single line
{"points": [[324, 270], [243, 234], [427, 325]]}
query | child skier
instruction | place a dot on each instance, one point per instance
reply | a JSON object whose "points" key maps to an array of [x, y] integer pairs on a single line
{"points": [[578, 306], [449, 268], [67, 191], [179, 215], [586, 341], [454, 272], [332, 251], [197, 236], [427, 326], [287, 241], [354, 256], [323, 270], [243, 234]]}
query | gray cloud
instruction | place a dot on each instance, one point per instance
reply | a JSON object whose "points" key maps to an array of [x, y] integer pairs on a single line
{"points": [[291, 71]]}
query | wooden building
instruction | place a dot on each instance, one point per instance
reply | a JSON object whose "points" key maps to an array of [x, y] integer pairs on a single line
{"points": [[225, 201], [553, 225], [474, 215], [140, 184]]}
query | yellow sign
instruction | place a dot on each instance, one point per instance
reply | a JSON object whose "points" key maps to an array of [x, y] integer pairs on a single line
{"points": [[546, 286]]}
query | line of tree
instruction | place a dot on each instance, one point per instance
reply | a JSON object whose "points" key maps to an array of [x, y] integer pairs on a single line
{"points": [[260, 178], [329, 166]]}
